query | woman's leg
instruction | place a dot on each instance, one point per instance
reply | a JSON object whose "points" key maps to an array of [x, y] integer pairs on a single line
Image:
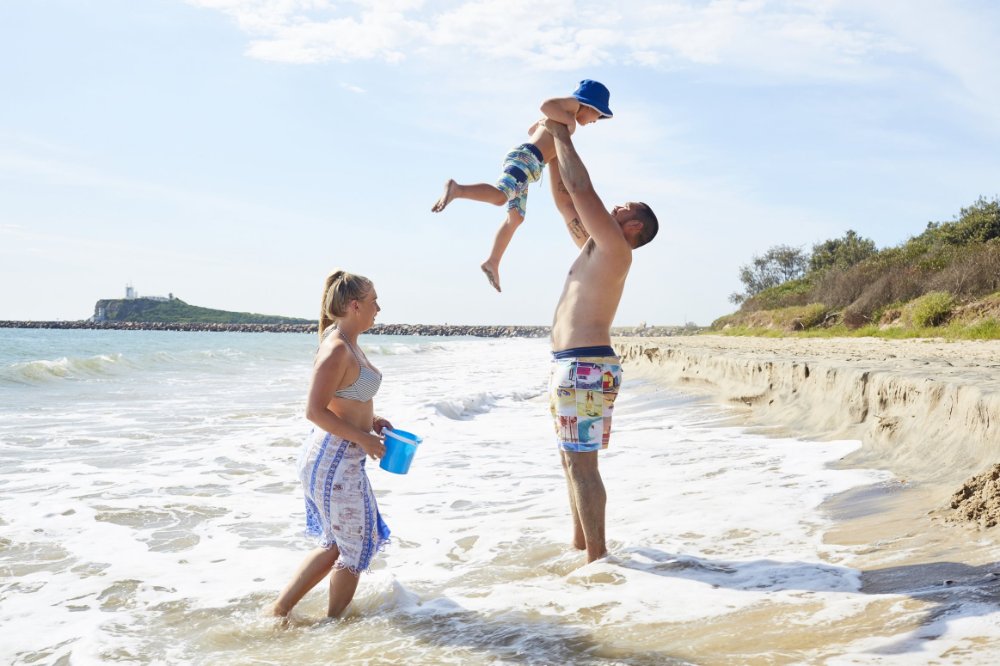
{"points": [[313, 569], [343, 584]]}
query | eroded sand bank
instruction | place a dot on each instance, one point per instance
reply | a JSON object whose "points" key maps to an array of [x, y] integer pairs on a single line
{"points": [[924, 409]]}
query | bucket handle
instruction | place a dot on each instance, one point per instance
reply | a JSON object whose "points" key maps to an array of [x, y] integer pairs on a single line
{"points": [[404, 438]]}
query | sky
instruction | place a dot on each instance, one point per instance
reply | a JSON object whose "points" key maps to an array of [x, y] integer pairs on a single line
{"points": [[234, 152]]}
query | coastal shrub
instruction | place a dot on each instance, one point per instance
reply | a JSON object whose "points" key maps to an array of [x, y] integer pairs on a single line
{"points": [[861, 286], [725, 320], [841, 252], [978, 223], [854, 319], [787, 294], [839, 287], [806, 316], [794, 318], [898, 285], [888, 315], [931, 309], [971, 273], [778, 265]]}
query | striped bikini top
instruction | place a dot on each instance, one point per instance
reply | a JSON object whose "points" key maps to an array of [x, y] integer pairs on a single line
{"points": [[366, 385]]}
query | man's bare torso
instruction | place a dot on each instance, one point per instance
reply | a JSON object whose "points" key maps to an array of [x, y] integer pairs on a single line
{"points": [[589, 299]]}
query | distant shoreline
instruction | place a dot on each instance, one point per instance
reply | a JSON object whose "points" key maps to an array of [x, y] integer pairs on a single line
{"points": [[484, 331]]}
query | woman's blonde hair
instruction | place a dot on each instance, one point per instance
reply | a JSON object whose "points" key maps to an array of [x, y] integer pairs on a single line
{"points": [[339, 290]]}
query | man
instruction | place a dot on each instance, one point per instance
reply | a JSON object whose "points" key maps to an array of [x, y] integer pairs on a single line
{"points": [[586, 373]]}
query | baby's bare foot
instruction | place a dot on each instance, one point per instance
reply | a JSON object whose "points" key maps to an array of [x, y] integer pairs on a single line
{"points": [[492, 274], [449, 189]]}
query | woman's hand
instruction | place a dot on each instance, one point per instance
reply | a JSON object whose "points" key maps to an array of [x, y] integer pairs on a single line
{"points": [[378, 423], [372, 445]]}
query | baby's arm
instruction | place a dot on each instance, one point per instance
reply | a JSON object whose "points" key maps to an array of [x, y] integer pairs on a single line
{"points": [[562, 110]]}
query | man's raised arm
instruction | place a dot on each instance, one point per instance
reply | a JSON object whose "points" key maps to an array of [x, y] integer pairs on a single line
{"points": [[596, 219], [564, 203]]}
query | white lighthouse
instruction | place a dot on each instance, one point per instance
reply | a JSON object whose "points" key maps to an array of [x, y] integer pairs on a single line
{"points": [[130, 292]]}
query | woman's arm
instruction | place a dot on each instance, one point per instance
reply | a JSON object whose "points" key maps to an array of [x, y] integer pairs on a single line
{"points": [[379, 423]]}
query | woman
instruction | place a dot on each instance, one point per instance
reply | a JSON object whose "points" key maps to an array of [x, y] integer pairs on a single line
{"points": [[340, 505]]}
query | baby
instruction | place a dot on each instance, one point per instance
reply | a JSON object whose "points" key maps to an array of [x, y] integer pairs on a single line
{"points": [[523, 165]]}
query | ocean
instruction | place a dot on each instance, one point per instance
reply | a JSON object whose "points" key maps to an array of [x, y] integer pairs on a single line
{"points": [[149, 514]]}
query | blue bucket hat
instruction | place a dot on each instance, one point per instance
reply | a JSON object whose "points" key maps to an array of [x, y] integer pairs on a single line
{"points": [[595, 95]]}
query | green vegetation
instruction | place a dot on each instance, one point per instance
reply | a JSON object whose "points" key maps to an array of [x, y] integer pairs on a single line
{"points": [[147, 310], [943, 282], [986, 330], [931, 309]]}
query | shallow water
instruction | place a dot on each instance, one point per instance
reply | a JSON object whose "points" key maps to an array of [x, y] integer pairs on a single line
{"points": [[149, 513]]}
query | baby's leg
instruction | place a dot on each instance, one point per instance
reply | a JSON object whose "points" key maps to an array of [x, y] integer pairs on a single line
{"points": [[506, 231], [478, 192]]}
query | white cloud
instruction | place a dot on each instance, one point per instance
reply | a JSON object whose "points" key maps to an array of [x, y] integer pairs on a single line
{"points": [[784, 37], [957, 40]]}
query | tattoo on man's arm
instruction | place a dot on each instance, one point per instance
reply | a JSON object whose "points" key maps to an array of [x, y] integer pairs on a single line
{"points": [[576, 228], [562, 187]]}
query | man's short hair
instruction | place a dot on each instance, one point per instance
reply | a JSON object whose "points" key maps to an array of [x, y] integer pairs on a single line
{"points": [[650, 225]]}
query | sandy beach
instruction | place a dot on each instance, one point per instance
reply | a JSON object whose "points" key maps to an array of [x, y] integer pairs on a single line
{"points": [[927, 411]]}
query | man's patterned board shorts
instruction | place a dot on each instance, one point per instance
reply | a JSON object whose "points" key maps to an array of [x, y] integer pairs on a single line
{"points": [[582, 394]]}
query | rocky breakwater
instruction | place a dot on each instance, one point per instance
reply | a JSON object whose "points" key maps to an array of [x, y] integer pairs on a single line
{"points": [[927, 410], [162, 326], [495, 331], [483, 331]]}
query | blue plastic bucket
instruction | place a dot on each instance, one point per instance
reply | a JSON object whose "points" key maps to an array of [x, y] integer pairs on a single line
{"points": [[399, 449]]}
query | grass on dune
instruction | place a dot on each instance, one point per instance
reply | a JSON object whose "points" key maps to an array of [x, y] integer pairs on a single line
{"points": [[988, 329]]}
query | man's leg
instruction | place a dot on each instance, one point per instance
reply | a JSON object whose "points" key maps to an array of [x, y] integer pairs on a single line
{"points": [[579, 541], [588, 490]]}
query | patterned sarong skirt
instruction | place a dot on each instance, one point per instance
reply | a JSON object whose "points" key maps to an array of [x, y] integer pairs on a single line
{"points": [[341, 510]]}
